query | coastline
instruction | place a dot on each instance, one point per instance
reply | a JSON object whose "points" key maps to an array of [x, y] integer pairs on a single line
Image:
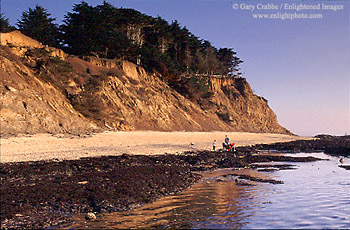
{"points": [[114, 176], [41, 194], [67, 147]]}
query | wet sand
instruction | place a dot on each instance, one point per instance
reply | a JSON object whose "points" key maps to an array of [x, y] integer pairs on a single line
{"points": [[65, 147]]}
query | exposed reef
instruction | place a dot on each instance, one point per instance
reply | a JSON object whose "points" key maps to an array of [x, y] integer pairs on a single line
{"points": [[43, 194]]}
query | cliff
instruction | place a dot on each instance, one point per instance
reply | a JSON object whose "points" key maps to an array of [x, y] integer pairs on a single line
{"points": [[30, 105], [44, 90], [236, 104]]}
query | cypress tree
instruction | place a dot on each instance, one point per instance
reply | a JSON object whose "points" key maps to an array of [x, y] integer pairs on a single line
{"points": [[5, 25], [37, 24]]}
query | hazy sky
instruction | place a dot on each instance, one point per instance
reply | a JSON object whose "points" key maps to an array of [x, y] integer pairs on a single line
{"points": [[300, 66]]}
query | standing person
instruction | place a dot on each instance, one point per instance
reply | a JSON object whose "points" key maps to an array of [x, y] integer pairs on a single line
{"points": [[214, 145], [227, 140], [226, 143]]}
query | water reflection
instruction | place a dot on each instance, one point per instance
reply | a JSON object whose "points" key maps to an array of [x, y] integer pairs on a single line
{"points": [[214, 202], [315, 195]]}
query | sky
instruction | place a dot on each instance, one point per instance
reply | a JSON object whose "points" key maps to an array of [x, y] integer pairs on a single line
{"points": [[300, 65]]}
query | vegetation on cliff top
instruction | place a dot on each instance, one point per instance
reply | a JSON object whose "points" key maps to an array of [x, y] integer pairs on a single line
{"points": [[37, 23], [117, 33], [5, 25]]}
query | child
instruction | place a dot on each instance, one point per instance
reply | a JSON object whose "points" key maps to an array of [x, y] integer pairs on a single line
{"points": [[214, 145]]}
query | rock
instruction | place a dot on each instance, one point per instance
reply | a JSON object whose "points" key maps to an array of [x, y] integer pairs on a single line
{"points": [[10, 88], [83, 182], [90, 216], [347, 167]]}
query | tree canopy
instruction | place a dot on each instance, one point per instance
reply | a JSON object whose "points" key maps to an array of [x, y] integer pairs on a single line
{"points": [[5, 25], [113, 32], [109, 32], [37, 23]]}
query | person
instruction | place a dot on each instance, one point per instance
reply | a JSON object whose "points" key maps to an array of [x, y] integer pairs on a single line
{"points": [[214, 145], [231, 147], [227, 140], [225, 144]]}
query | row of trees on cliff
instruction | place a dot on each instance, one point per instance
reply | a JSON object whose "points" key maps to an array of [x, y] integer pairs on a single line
{"points": [[109, 32]]}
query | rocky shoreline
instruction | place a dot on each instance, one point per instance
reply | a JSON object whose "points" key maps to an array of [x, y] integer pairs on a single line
{"points": [[43, 194], [332, 145]]}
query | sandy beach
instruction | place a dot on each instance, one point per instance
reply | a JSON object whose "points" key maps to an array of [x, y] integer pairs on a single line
{"points": [[63, 147]]}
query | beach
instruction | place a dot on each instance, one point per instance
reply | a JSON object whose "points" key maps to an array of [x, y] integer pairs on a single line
{"points": [[48, 179], [67, 147], [47, 194]]}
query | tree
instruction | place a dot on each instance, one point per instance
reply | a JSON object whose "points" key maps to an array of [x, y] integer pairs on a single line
{"points": [[98, 30], [199, 62], [5, 25], [212, 62], [172, 50], [37, 24]]}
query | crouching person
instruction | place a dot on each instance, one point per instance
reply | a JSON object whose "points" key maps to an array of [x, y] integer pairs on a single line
{"points": [[224, 146], [231, 147]]}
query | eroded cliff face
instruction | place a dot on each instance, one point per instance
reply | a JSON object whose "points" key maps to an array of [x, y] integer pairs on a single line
{"points": [[135, 100], [29, 105], [236, 104], [42, 91]]}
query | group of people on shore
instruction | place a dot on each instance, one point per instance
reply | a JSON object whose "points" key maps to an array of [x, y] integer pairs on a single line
{"points": [[226, 145]]}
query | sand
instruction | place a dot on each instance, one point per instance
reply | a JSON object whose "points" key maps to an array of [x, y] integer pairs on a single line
{"points": [[63, 147]]}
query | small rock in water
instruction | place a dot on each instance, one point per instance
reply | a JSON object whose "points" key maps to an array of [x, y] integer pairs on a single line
{"points": [[90, 216], [83, 182], [341, 160]]}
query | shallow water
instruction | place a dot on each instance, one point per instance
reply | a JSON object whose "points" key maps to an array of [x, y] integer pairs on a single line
{"points": [[314, 195]]}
